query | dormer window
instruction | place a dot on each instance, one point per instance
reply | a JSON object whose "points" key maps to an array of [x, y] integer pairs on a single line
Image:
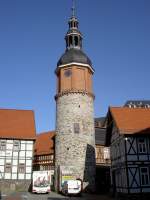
{"points": [[147, 106]]}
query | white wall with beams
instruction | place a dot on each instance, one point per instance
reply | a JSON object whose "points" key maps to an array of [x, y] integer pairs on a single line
{"points": [[16, 159]]}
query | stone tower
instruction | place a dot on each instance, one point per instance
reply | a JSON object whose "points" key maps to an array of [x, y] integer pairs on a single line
{"points": [[75, 134]]}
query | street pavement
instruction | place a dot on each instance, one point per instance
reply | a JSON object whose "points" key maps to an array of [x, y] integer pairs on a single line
{"points": [[50, 196]]}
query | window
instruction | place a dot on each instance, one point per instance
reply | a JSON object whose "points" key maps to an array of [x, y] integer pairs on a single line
{"points": [[16, 145], [3, 145], [8, 168], [76, 128], [142, 145], [70, 40], [106, 153], [67, 73], [96, 124], [21, 168], [147, 106], [76, 40], [72, 24], [144, 176]]}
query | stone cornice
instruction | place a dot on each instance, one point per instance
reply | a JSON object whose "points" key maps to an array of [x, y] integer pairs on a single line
{"points": [[74, 91]]}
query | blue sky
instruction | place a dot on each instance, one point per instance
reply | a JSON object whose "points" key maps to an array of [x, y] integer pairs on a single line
{"points": [[116, 38]]}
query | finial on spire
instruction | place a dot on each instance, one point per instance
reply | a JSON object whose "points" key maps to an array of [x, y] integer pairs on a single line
{"points": [[73, 8]]}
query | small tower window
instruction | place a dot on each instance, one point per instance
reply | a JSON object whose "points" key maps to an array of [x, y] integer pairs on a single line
{"points": [[76, 40], [76, 128]]}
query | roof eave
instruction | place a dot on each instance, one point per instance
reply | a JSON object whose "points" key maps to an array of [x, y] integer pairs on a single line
{"points": [[74, 63]]}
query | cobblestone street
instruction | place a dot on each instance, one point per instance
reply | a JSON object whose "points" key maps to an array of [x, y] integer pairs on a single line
{"points": [[50, 196]]}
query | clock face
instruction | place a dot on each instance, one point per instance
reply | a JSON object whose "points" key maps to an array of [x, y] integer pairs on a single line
{"points": [[68, 73]]}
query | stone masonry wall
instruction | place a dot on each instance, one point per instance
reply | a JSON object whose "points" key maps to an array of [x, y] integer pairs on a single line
{"points": [[15, 185], [76, 149]]}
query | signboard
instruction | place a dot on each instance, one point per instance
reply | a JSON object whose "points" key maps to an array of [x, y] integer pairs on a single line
{"points": [[65, 174], [65, 178]]}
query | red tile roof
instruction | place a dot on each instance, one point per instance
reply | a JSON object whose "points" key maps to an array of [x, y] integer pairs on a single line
{"points": [[131, 120], [44, 143], [17, 124]]}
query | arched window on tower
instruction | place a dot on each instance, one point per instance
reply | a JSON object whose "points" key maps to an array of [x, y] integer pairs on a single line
{"points": [[72, 23], [70, 41], [69, 25]]}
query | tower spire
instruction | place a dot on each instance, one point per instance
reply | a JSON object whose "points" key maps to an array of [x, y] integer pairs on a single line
{"points": [[73, 36], [73, 8]]}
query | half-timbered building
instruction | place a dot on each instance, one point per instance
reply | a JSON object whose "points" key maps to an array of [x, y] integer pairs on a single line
{"points": [[128, 134], [17, 135], [44, 154], [44, 151]]}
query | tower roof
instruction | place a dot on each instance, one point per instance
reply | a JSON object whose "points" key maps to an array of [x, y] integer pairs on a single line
{"points": [[74, 52], [74, 55]]}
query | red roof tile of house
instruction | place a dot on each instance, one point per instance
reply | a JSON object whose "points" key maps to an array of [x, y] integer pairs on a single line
{"points": [[17, 124], [131, 120], [44, 143]]}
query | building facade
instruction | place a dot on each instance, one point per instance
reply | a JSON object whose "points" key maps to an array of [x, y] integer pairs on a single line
{"points": [[75, 138], [128, 133], [44, 151], [43, 159], [103, 161], [17, 135], [137, 104]]}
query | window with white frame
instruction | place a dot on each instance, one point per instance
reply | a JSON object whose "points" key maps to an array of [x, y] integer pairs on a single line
{"points": [[16, 145], [2, 145], [8, 168], [106, 153], [142, 145], [21, 168], [144, 176]]}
